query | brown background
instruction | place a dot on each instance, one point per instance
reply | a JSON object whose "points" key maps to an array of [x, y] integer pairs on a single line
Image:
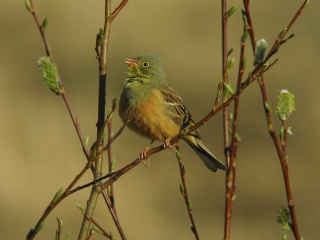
{"points": [[40, 151]]}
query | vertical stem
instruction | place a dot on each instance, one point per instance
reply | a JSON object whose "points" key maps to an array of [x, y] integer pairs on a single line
{"points": [[91, 204], [281, 150], [226, 121]]}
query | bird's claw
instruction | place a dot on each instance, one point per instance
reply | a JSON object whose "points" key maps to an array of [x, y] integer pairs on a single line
{"points": [[167, 143], [143, 155]]}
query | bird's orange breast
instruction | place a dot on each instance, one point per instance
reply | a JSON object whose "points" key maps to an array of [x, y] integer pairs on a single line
{"points": [[151, 119]]}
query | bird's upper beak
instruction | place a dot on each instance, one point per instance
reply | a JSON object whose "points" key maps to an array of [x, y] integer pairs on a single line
{"points": [[132, 62]]}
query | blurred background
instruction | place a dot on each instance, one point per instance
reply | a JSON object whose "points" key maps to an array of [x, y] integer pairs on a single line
{"points": [[41, 151]]}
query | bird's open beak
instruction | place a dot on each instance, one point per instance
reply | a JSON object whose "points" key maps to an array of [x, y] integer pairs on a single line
{"points": [[132, 62]]}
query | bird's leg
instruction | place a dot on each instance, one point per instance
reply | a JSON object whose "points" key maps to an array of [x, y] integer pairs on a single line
{"points": [[143, 154], [167, 143]]}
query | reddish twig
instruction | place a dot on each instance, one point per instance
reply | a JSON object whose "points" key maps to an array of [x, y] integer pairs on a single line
{"points": [[281, 149], [225, 118], [184, 192]]}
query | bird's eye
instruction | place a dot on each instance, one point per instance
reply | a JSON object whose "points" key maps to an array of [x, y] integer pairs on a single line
{"points": [[145, 64]]}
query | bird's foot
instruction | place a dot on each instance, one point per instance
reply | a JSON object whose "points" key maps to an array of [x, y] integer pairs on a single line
{"points": [[143, 155], [167, 144]]}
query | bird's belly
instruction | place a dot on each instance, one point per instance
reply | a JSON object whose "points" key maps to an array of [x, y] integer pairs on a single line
{"points": [[150, 119]]}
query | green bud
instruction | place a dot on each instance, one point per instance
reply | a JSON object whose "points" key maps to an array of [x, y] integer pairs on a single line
{"points": [[285, 105], [229, 89], [68, 237], [82, 209], [230, 118], [178, 155], [58, 195], [86, 140], [289, 131], [183, 170], [109, 113], [283, 218], [260, 52], [244, 17], [284, 237], [230, 52], [282, 33], [267, 107], [59, 221], [233, 198], [244, 62], [114, 103], [113, 164], [97, 229], [245, 34], [49, 75], [100, 36], [230, 63], [232, 10], [45, 22], [39, 227], [181, 189], [28, 5], [281, 134]]}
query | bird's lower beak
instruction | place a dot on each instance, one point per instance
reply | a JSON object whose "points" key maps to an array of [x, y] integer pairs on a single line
{"points": [[132, 62]]}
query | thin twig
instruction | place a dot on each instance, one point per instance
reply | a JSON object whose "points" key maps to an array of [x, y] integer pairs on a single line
{"points": [[281, 150], [102, 59], [228, 209], [184, 192]]}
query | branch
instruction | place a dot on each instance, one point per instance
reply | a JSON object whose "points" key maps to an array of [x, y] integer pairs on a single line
{"points": [[184, 192]]}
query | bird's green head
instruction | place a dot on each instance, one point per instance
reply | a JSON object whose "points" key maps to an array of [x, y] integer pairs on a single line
{"points": [[147, 68]]}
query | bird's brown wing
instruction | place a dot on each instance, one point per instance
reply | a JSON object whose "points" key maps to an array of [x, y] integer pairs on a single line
{"points": [[175, 107]]}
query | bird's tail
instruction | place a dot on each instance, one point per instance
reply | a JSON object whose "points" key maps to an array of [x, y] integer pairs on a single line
{"points": [[203, 152]]}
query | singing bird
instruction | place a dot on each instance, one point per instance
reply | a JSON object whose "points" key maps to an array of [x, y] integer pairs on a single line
{"points": [[155, 111]]}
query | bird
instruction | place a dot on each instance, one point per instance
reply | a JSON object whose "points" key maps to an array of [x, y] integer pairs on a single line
{"points": [[152, 109]]}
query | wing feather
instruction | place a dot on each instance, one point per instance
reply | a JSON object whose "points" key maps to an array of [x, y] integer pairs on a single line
{"points": [[176, 109]]}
